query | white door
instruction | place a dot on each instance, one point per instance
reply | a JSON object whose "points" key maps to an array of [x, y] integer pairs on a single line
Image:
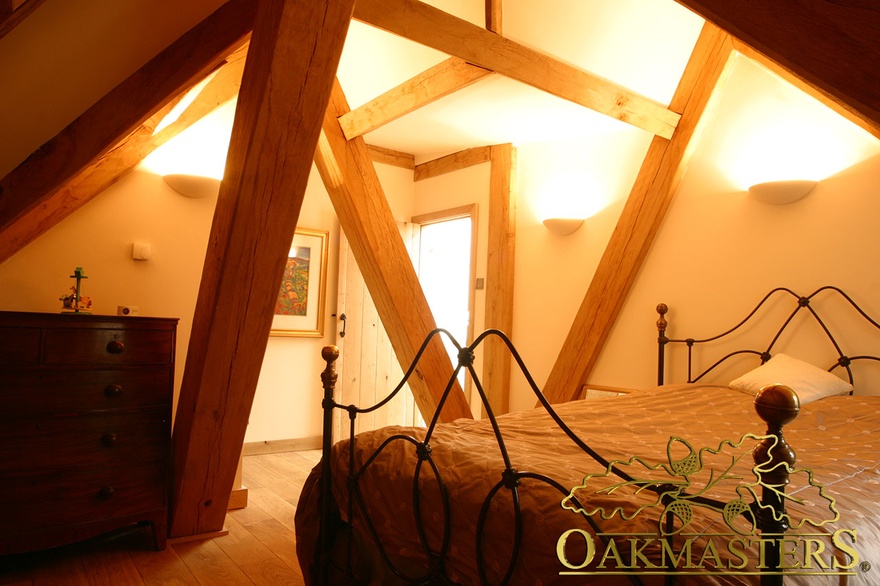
{"points": [[368, 368]]}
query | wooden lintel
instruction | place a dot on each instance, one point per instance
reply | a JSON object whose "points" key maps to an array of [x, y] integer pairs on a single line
{"points": [[127, 107], [366, 219], [439, 30], [830, 45], [291, 63], [810, 89], [500, 274], [450, 163], [392, 157], [640, 219], [430, 85], [121, 159]]}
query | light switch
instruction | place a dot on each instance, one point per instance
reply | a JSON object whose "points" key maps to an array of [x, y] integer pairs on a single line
{"points": [[141, 251]]}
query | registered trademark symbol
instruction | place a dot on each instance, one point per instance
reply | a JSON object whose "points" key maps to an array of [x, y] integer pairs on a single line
{"points": [[865, 566]]}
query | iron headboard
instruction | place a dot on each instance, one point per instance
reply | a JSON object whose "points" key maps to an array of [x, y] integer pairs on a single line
{"points": [[801, 303]]}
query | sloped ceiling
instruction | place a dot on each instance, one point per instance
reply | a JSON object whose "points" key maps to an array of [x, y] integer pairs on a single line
{"points": [[56, 59], [64, 58]]}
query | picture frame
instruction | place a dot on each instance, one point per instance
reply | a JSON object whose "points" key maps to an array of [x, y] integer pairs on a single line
{"points": [[299, 308]]}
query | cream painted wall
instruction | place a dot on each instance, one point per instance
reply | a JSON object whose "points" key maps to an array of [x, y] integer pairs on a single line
{"points": [[99, 238], [141, 207], [718, 251], [715, 243], [287, 404], [553, 272]]}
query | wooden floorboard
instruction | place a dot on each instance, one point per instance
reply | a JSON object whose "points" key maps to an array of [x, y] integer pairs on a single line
{"points": [[260, 547]]}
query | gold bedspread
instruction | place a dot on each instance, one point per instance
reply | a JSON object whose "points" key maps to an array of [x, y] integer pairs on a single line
{"points": [[838, 438]]}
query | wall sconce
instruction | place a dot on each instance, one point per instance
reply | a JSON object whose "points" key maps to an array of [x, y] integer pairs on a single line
{"points": [[194, 186], [781, 192], [563, 226]]}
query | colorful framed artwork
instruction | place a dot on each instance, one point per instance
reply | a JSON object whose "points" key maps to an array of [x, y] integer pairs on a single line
{"points": [[299, 309]]}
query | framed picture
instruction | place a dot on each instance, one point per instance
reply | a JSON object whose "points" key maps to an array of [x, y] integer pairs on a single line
{"points": [[299, 310]]}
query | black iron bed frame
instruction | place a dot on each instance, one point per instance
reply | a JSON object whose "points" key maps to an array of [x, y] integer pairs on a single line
{"points": [[776, 405], [801, 303]]}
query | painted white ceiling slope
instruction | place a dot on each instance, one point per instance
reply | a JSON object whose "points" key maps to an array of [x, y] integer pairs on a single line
{"points": [[66, 55]]}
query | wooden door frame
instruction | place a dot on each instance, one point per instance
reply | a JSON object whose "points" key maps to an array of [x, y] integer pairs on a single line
{"points": [[456, 213]]}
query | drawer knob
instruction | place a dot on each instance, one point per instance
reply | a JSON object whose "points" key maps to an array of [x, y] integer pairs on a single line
{"points": [[106, 493], [115, 347], [113, 391], [109, 440]]}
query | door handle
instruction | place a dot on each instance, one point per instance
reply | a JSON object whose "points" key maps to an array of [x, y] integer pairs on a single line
{"points": [[344, 322]]}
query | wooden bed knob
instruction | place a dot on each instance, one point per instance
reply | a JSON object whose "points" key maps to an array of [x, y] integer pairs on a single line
{"points": [[330, 353], [777, 405]]}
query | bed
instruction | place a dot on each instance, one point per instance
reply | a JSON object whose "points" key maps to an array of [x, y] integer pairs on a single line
{"points": [[737, 487]]}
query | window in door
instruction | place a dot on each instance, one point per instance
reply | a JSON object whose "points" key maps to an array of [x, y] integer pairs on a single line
{"points": [[445, 265]]}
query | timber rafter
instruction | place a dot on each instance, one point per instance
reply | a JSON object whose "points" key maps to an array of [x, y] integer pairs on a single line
{"points": [[439, 30], [110, 167], [13, 12], [40, 191]]}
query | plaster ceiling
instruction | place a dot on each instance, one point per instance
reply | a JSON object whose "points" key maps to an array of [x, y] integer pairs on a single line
{"points": [[64, 57]]}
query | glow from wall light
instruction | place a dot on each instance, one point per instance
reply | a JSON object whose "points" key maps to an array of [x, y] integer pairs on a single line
{"points": [[199, 150], [776, 132], [568, 195], [183, 104]]}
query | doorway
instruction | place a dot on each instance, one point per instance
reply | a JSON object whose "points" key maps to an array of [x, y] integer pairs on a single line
{"points": [[442, 248], [445, 263]]}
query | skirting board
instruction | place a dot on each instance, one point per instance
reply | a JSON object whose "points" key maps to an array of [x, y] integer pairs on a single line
{"points": [[276, 446], [198, 536]]}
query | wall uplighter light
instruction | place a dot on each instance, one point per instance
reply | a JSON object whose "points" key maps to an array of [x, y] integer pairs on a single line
{"points": [[781, 192], [194, 186], [563, 226]]}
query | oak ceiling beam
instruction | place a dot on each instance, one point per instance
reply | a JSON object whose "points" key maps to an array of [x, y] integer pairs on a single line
{"points": [[640, 219], [391, 157], [429, 86], [434, 28], [453, 162], [121, 159], [365, 217], [832, 46], [291, 64], [120, 112]]}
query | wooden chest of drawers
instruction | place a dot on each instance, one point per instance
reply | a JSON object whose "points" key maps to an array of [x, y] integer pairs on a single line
{"points": [[85, 426]]}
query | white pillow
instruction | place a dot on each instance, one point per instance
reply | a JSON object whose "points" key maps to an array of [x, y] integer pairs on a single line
{"points": [[809, 382]]}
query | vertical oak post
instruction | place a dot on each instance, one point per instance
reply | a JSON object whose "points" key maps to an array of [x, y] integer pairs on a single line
{"points": [[290, 67]]}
